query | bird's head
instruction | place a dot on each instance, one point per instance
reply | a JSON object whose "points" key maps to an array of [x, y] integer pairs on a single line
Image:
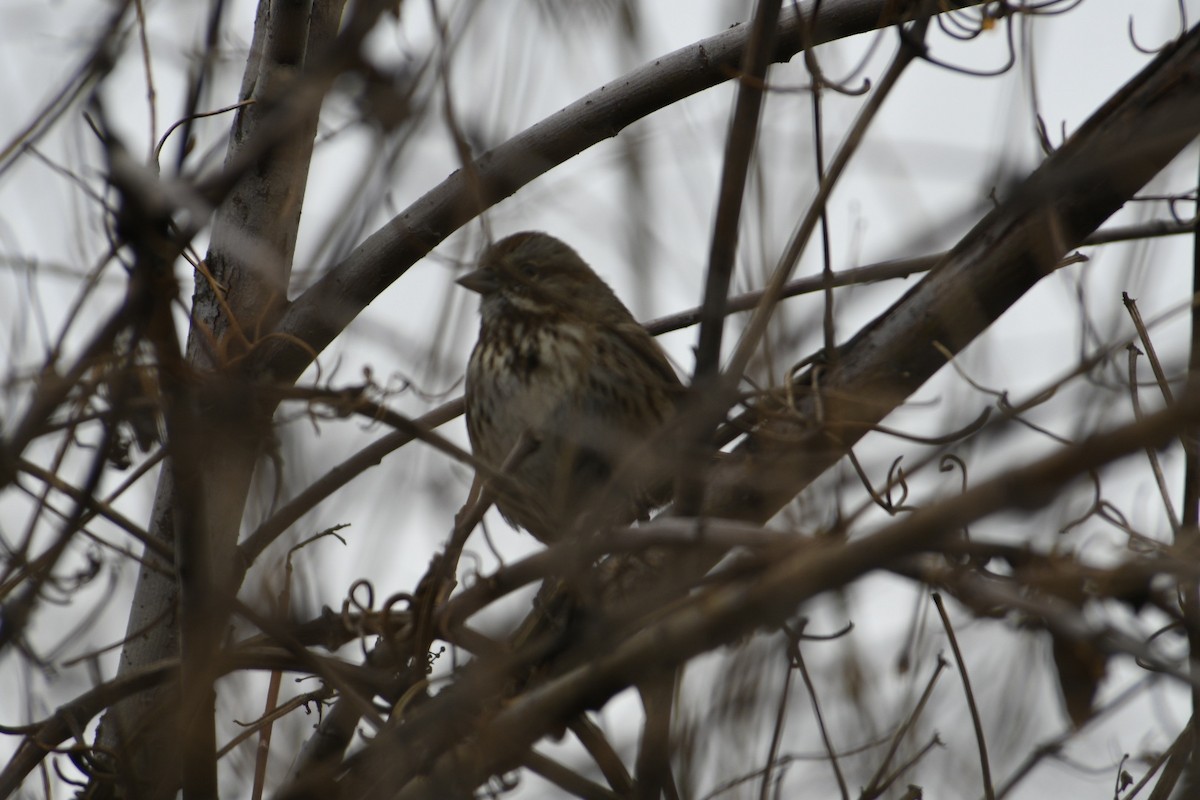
{"points": [[537, 273]]}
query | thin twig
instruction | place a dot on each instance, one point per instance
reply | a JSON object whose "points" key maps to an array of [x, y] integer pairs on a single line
{"points": [[1151, 453], [798, 662], [878, 784], [757, 325], [739, 147], [258, 541], [566, 779], [776, 733], [602, 752], [988, 791], [1188, 535]]}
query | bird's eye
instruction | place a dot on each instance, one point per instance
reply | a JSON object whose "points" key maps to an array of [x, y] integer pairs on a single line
{"points": [[530, 271]]}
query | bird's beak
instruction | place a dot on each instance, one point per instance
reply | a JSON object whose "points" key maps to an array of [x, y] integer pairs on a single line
{"points": [[482, 280]]}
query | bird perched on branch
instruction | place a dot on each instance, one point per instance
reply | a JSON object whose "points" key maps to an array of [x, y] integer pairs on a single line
{"points": [[566, 386]]}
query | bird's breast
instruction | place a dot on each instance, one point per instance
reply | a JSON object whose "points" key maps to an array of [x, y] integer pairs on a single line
{"points": [[527, 371]]}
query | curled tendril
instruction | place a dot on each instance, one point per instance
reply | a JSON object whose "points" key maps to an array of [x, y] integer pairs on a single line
{"points": [[1171, 626], [1173, 201], [1043, 135], [799, 635], [1153, 51], [967, 24], [968, 430], [862, 63], [1189, 197], [398, 597], [94, 761], [473, 572], [947, 464], [1051, 8], [986, 23], [386, 629], [822, 81], [62, 776], [882, 502], [963, 25], [81, 577], [1139, 542], [352, 603], [897, 478]]}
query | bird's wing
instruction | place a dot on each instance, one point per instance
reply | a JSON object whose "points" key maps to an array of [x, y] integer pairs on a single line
{"points": [[648, 351]]}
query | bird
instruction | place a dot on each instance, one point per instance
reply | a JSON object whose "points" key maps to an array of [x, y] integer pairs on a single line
{"points": [[567, 387], [570, 397]]}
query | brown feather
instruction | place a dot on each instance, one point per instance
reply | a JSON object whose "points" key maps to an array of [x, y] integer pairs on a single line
{"points": [[561, 359]]}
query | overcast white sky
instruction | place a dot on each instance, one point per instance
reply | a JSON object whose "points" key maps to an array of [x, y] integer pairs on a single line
{"points": [[922, 179]]}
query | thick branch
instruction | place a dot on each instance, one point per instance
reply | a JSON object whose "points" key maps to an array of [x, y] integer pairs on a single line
{"points": [[329, 305], [1120, 148], [765, 596]]}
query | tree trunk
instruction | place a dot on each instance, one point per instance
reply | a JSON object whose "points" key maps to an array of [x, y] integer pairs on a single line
{"points": [[227, 427]]}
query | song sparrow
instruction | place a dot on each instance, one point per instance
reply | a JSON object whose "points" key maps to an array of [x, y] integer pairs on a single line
{"points": [[563, 367]]}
